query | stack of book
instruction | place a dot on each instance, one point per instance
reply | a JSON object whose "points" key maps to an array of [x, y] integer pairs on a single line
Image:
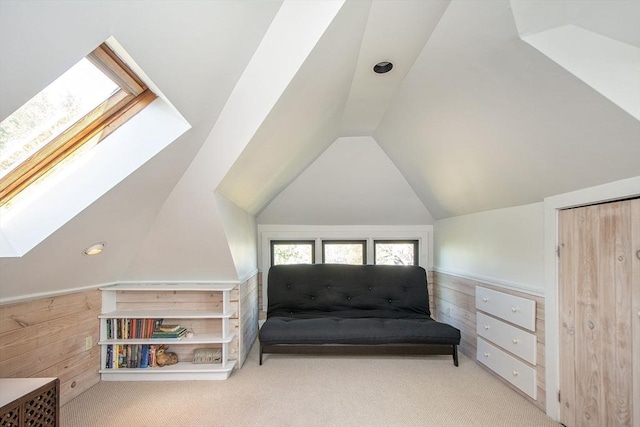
{"points": [[131, 356], [169, 332], [131, 328]]}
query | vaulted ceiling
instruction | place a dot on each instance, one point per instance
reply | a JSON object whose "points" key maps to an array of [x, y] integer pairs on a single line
{"points": [[473, 116], [476, 114]]}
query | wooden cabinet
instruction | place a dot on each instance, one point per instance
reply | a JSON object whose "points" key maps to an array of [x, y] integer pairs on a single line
{"points": [[29, 402], [506, 344], [204, 309]]}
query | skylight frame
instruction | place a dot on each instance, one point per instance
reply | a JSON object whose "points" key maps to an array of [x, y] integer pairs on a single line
{"points": [[121, 106]]}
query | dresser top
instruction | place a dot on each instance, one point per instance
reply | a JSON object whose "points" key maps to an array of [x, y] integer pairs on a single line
{"points": [[14, 388]]}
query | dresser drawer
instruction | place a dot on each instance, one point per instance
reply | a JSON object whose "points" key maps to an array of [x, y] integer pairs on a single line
{"points": [[515, 340], [508, 367], [513, 309]]}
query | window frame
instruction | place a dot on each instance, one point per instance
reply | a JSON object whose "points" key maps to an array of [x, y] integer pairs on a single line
{"points": [[362, 243], [415, 243], [121, 106], [273, 243]]}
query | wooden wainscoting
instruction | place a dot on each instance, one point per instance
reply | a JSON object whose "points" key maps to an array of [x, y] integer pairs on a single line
{"points": [[248, 316], [262, 313], [47, 337], [455, 304]]}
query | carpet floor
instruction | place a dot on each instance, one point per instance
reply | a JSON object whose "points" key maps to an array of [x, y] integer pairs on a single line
{"points": [[315, 391]]}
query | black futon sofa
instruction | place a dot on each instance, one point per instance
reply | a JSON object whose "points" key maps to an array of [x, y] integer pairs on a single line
{"points": [[381, 309]]}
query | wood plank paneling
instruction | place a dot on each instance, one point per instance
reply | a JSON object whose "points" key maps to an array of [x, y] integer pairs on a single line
{"points": [[47, 337], [248, 317], [262, 314], [635, 307], [455, 304]]}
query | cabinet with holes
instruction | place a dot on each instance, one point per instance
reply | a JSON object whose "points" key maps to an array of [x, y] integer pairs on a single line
{"points": [[29, 402]]}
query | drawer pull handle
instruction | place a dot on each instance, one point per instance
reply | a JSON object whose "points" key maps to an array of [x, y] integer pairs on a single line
{"points": [[514, 309], [515, 341], [486, 327], [515, 373], [485, 299], [486, 354]]}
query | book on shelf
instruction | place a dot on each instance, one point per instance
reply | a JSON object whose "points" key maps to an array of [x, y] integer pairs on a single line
{"points": [[177, 334], [131, 328], [131, 356], [167, 328]]}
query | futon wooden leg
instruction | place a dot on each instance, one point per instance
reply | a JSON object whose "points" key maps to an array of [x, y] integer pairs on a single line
{"points": [[455, 355]]}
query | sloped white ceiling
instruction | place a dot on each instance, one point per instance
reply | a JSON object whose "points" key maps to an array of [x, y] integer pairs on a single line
{"points": [[187, 239], [352, 183], [396, 31], [479, 120], [475, 119], [180, 46], [484, 121], [305, 120]]}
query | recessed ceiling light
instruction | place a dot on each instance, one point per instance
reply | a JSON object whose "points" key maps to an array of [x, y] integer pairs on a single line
{"points": [[382, 67], [95, 249]]}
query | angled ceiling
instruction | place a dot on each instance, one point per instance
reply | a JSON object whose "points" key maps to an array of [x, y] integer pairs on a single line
{"points": [[472, 116]]}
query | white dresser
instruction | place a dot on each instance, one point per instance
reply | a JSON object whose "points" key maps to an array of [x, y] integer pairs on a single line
{"points": [[506, 337]]}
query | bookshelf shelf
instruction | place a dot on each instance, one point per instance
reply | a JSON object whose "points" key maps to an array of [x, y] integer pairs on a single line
{"points": [[204, 309], [179, 371], [166, 314], [200, 339]]}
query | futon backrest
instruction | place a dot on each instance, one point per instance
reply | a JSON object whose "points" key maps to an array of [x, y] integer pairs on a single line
{"points": [[295, 289]]}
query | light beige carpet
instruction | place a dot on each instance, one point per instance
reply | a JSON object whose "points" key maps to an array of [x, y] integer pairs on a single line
{"points": [[315, 391]]}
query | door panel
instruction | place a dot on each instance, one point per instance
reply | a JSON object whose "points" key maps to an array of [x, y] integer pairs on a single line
{"points": [[598, 293]]}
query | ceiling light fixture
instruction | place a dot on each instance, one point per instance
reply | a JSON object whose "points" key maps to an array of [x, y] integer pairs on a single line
{"points": [[95, 249], [382, 67]]}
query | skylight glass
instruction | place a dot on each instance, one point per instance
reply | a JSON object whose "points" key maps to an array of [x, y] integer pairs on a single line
{"points": [[66, 119], [65, 101]]}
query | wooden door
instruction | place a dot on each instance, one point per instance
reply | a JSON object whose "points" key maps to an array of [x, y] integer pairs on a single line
{"points": [[599, 293]]}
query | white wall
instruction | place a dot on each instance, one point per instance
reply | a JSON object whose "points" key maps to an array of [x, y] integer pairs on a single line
{"points": [[242, 236], [503, 246], [352, 183]]}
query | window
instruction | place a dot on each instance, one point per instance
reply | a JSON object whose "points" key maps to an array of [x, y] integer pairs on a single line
{"points": [[292, 252], [78, 110], [394, 252], [344, 252]]}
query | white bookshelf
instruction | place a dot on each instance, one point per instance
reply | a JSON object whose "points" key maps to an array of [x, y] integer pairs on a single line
{"points": [[203, 308]]}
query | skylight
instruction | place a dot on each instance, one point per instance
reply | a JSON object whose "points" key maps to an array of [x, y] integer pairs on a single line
{"points": [[46, 115], [79, 109]]}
